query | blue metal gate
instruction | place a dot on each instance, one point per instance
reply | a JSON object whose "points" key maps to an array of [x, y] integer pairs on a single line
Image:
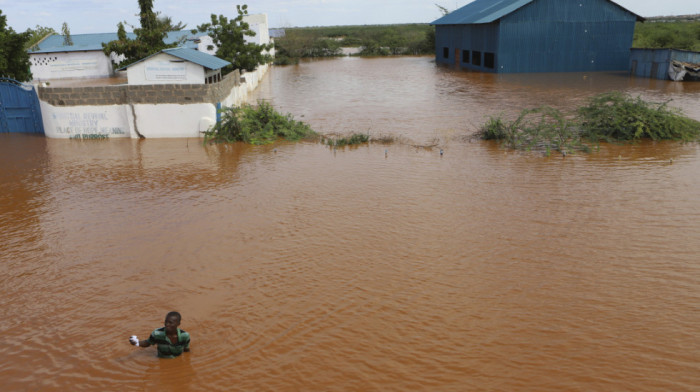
{"points": [[19, 108]]}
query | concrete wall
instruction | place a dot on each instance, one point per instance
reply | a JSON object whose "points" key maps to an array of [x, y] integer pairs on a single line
{"points": [[165, 69], [150, 111], [63, 65]]}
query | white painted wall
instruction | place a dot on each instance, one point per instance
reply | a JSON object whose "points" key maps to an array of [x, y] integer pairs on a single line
{"points": [[172, 120], [151, 120], [165, 69], [258, 23], [66, 65], [204, 43], [61, 122], [118, 121]]}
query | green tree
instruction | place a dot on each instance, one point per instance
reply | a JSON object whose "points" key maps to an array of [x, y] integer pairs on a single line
{"points": [[149, 37], [166, 23], [65, 31], [36, 35], [229, 38], [14, 58]]}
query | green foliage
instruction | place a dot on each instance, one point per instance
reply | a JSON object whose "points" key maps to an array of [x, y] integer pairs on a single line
{"points": [[382, 40], [14, 58], [353, 139], [65, 31], [676, 35], [149, 38], [542, 128], [618, 116], [257, 125], [36, 35], [229, 37], [610, 116]]}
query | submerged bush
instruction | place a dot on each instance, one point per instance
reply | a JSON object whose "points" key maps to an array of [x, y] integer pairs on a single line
{"points": [[609, 117], [355, 138], [616, 116], [256, 125], [543, 128]]}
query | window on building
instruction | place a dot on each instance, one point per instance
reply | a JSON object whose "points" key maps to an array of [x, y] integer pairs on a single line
{"points": [[476, 58], [465, 56], [446, 53], [489, 60]]}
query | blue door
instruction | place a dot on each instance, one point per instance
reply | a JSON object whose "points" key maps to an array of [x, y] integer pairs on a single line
{"points": [[19, 108]]}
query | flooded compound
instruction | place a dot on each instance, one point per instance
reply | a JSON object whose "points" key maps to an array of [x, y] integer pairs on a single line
{"points": [[378, 267]]}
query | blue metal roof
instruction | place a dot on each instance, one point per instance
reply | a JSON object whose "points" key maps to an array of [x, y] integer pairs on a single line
{"points": [[481, 11], [194, 56], [197, 57], [488, 11], [91, 42]]}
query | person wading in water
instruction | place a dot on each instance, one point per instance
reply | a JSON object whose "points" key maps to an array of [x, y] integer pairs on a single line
{"points": [[170, 340]]}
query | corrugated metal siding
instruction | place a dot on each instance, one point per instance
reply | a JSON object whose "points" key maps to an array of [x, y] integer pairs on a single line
{"points": [[551, 36], [570, 11], [566, 36], [482, 38], [654, 63]]}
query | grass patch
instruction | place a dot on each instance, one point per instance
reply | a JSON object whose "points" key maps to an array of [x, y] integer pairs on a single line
{"points": [[260, 124], [353, 139], [612, 117]]}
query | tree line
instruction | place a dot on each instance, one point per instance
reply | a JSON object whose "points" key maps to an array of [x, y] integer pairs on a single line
{"points": [[375, 40]]}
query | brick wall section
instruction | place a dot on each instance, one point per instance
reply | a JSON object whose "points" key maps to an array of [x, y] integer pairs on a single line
{"points": [[142, 94]]}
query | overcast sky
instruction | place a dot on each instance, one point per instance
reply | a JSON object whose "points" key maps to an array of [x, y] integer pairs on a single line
{"points": [[99, 16]]}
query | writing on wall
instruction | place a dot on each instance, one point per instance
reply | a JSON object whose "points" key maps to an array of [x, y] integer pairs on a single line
{"points": [[165, 70], [86, 125], [73, 65]]}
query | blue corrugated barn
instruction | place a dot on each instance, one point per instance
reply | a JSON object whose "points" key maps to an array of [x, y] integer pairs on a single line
{"points": [[509, 36]]}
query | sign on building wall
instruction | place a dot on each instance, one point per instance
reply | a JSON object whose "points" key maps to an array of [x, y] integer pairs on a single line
{"points": [[165, 70], [86, 122], [73, 65]]}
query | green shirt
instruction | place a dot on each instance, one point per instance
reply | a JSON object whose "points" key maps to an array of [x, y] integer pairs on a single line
{"points": [[166, 348]]}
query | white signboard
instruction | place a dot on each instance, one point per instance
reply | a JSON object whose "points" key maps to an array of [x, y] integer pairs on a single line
{"points": [[165, 70]]}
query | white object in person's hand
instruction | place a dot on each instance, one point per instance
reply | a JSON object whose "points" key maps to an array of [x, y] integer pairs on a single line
{"points": [[133, 339]]}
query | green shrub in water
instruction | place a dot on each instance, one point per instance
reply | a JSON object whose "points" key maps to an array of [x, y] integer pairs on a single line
{"points": [[613, 116], [260, 124], [616, 116], [542, 128], [355, 138]]}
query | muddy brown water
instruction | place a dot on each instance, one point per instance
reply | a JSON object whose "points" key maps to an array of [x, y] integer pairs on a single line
{"points": [[382, 267]]}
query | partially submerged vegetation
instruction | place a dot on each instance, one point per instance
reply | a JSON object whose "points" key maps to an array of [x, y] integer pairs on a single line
{"points": [[379, 40], [260, 124], [619, 117], [350, 140], [611, 117]]}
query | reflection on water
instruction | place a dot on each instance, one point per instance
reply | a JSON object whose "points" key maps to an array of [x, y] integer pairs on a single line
{"points": [[297, 267]]}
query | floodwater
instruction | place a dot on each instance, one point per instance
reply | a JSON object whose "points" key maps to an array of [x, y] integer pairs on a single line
{"points": [[381, 267]]}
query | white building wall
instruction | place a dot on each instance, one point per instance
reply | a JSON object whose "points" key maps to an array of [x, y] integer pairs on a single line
{"points": [[66, 65], [147, 120], [204, 43], [165, 69], [258, 23]]}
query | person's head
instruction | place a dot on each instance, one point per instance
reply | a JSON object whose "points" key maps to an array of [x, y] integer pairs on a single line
{"points": [[172, 321]]}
